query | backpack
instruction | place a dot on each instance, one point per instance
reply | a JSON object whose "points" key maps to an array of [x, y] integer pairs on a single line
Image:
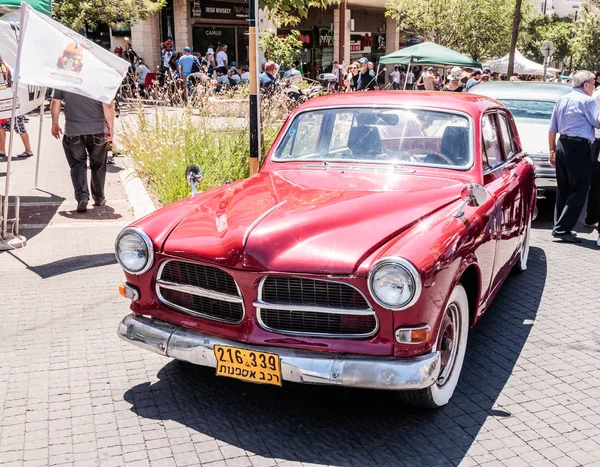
{"points": [[195, 65]]}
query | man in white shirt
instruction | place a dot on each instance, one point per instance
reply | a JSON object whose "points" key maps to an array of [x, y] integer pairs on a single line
{"points": [[395, 78], [593, 203], [222, 59], [410, 77]]}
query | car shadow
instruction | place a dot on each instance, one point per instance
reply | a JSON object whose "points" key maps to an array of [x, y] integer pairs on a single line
{"points": [[67, 265], [349, 427]]}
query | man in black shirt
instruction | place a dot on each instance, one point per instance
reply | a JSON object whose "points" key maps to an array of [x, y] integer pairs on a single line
{"points": [[366, 77]]}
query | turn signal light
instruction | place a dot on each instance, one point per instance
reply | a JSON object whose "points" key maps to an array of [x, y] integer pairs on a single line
{"points": [[128, 291], [413, 335]]}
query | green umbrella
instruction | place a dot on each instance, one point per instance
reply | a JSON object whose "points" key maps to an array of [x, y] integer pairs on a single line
{"points": [[428, 53], [43, 6]]}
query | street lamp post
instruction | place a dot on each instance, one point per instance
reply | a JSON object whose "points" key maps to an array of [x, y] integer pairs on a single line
{"points": [[254, 89]]}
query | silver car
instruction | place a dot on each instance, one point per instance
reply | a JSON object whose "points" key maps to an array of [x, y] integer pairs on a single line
{"points": [[531, 104]]}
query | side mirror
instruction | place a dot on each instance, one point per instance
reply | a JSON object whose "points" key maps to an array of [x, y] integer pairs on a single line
{"points": [[473, 195], [194, 176]]}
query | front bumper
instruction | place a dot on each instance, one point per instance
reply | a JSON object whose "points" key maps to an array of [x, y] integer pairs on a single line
{"points": [[299, 366]]}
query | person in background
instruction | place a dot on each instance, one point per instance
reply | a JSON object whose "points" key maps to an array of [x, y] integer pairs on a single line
{"points": [[245, 74], [222, 59], [351, 77], [20, 129], [395, 78], [268, 80], [234, 76], [142, 73], [118, 51], [575, 118], [293, 74], [366, 77], [514, 77], [374, 74], [454, 84], [338, 71], [185, 67], [592, 217], [129, 54], [429, 79], [486, 72], [210, 61], [474, 80], [88, 129], [410, 79]]}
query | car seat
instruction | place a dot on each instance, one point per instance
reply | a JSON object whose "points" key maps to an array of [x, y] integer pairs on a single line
{"points": [[455, 144], [364, 141]]}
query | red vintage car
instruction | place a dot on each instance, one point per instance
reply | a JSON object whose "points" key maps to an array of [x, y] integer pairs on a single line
{"points": [[377, 232]]}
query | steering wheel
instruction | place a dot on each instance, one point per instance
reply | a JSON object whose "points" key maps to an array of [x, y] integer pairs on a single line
{"points": [[439, 155]]}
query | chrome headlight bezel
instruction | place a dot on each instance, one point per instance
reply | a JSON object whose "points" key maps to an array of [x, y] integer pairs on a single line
{"points": [[147, 242], [409, 268]]}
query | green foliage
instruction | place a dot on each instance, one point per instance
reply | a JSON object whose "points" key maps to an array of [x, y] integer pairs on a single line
{"points": [[282, 50], [163, 141], [586, 43], [480, 29], [291, 12], [76, 14], [542, 28]]}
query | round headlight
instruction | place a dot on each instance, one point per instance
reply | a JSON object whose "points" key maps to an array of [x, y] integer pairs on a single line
{"points": [[394, 283], [134, 251]]}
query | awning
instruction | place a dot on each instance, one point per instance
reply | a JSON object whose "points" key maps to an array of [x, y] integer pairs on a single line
{"points": [[428, 53], [44, 6], [523, 66]]}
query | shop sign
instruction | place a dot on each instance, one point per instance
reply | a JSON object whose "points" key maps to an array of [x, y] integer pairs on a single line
{"points": [[219, 10], [325, 37], [305, 37], [379, 42], [361, 42]]}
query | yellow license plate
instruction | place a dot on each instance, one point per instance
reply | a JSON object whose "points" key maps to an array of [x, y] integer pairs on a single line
{"points": [[248, 365]]}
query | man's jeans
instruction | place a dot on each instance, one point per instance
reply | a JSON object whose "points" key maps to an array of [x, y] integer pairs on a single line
{"points": [[77, 149]]}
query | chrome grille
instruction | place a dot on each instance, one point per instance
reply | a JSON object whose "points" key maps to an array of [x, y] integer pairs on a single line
{"points": [[199, 290], [310, 292], [311, 307]]}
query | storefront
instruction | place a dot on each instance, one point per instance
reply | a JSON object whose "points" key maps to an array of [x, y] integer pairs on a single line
{"points": [[220, 23]]}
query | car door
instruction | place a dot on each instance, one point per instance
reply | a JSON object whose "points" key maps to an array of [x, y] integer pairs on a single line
{"points": [[502, 183]]}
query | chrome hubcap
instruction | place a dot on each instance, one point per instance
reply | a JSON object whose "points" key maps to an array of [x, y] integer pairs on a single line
{"points": [[448, 342]]}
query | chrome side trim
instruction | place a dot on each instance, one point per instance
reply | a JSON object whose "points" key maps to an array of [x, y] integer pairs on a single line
{"points": [[194, 290], [299, 366], [409, 268], [197, 291], [260, 304], [258, 221]]}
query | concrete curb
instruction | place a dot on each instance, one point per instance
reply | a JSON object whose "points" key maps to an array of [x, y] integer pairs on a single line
{"points": [[136, 191]]}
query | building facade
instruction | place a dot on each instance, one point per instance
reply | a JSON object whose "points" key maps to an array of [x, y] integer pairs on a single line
{"points": [[560, 8], [354, 29]]}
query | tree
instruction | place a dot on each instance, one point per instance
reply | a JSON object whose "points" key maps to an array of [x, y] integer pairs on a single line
{"points": [[586, 42], [77, 14], [479, 29], [291, 12], [513, 38], [546, 28], [282, 50]]}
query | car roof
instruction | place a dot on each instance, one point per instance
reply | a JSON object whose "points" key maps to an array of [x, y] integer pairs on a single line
{"points": [[469, 103], [521, 90]]}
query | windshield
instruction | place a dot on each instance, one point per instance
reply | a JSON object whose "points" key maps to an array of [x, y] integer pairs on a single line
{"points": [[541, 110], [399, 136]]}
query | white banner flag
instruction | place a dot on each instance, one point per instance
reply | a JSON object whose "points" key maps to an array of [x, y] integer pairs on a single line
{"points": [[29, 97], [54, 56]]}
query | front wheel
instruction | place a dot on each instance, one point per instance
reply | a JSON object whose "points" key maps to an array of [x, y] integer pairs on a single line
{"points": [[452, 344]]}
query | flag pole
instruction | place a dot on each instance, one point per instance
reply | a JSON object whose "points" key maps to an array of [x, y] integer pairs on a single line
{"points": [[39, 147], [12, 133]]}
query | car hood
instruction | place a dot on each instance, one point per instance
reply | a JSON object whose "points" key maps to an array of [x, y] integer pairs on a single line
{"points": [[533, 134], [307, 220]]}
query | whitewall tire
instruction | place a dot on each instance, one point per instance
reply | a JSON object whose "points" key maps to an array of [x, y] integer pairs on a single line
{"points": [[452, 344], [524, 253]]}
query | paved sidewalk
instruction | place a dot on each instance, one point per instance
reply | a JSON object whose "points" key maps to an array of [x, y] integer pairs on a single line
{"points": [[72, 393]]}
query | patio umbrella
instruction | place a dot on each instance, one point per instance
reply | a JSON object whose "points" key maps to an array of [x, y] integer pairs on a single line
{"points": [[428, 53]]}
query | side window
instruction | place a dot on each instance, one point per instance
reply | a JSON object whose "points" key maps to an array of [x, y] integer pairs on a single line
{"points": [[341, 131], [507, 136], [301, 139], [492, 152]]}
